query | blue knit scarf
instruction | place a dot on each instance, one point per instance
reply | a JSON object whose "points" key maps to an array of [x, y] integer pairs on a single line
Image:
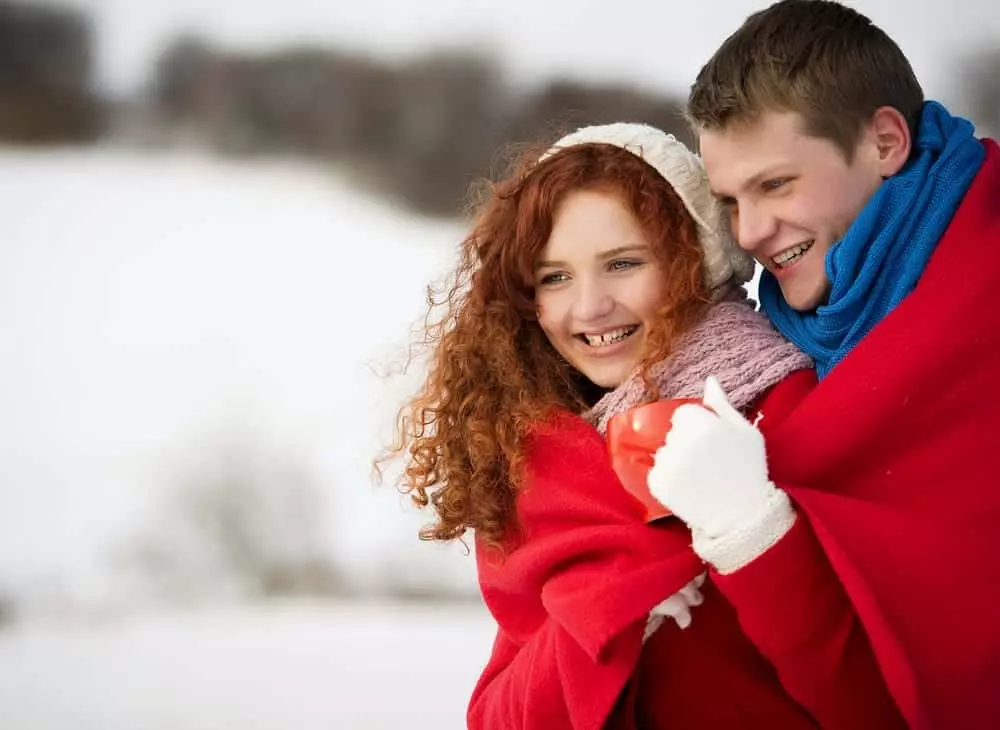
{"points": [[884, 252]]}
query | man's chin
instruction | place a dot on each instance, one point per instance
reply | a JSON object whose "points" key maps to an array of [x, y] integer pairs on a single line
{"points": [[805, 300]]}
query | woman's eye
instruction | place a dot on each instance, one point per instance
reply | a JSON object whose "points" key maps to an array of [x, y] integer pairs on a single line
{"points": [[552, 279], [622, 264]]}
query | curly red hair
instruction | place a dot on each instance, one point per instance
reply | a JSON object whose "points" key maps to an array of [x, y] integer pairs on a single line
{"points": [[493, 376]]}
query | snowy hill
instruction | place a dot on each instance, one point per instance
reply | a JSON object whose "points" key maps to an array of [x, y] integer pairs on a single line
{"points": [[157, 309]]}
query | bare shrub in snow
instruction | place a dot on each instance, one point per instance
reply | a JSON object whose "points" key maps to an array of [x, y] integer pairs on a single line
{"points": [[239, 523]]}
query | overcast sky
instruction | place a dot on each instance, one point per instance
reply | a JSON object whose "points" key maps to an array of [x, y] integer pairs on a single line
{"points": [[660, 44]]}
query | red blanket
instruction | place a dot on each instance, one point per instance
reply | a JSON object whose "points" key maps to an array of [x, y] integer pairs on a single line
{"points": [[895, 458]]}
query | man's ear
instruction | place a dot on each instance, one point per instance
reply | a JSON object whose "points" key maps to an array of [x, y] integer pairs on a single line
{"points": [[892, 139]]}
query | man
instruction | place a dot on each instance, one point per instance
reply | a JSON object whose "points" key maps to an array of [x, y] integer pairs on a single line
{"points": [[876, 217]]}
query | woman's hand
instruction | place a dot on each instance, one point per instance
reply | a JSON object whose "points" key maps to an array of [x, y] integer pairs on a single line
{"points": [[677, 607], [712, 474]]}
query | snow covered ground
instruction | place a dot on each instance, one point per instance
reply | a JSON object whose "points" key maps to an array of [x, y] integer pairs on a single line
{"points": [[155, 308], [296, 666]]}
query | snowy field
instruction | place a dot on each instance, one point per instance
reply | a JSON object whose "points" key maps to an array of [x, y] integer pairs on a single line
{"points": [[152, 308], [157, 309], [294, 667]]}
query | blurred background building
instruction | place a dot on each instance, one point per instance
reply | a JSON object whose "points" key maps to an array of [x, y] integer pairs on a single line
{"points": [[219, 219]]}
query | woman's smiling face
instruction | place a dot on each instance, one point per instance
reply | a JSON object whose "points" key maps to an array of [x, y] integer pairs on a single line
{"points": [[597, 287]]}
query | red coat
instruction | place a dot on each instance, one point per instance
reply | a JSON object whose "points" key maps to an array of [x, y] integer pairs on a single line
{"points": [[776, 645], [895, 458]]}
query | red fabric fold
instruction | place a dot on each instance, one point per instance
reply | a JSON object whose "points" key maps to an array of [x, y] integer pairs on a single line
{"points": [[574, 591]]}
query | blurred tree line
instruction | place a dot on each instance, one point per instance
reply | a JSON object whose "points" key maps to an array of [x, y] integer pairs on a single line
{"points": [[46, 76], [420, 132]]}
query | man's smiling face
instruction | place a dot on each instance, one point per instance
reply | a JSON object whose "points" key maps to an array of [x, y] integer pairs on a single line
{"points": [[790, 196]]}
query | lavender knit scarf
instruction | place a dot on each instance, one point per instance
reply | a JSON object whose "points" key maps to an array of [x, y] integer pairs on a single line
{"points": [[733, 342]]}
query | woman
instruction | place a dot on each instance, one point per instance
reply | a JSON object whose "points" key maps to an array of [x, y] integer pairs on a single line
{"points": [[599, 277]]}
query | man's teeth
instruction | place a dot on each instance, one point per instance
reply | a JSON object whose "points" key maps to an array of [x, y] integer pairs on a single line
{"points": [[610, 338], [791, 255]]}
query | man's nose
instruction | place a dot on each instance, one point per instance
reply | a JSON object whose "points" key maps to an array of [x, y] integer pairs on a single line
{"points": [[755, 226]]}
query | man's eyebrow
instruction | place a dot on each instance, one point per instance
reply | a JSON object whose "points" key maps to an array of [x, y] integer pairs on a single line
{"points": [[751, 182]]}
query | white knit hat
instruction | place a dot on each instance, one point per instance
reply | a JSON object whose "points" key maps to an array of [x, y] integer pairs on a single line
{"points": [[725, 262]]}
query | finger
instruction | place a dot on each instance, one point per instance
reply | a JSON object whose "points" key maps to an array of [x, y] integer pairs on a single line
{"points": [[692, 422], [671, 606], [715, 398], [692, 595], [683, 618], [660, 479]]}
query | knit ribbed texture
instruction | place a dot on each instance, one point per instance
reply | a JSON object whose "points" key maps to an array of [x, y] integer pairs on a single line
{"points": [[759, 533]]}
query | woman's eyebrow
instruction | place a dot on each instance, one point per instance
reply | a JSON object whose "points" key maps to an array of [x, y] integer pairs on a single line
{"points": [[609, 254]]}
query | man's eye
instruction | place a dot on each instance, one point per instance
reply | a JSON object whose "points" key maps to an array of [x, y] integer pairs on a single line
{"points": [[774, 184]]}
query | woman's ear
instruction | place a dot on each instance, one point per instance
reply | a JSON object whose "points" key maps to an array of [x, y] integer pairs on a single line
{"points": [[892, 138]]}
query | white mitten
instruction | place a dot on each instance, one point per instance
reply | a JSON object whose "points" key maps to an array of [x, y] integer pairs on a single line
{"points": [[712, 474], [677, 607]]}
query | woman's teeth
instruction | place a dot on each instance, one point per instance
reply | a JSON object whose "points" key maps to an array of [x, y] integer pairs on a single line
{"points": [[791, 255], [611, 337]]}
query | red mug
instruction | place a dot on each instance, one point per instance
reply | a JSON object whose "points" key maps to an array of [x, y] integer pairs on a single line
{"points": [[633, 438]]}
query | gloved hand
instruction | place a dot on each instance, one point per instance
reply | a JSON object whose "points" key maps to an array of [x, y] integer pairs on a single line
{"points": [[677, 607], [712, 474]]}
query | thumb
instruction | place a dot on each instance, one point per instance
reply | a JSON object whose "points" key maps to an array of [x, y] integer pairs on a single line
{"points": [[715, 398], [683, 617]]}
